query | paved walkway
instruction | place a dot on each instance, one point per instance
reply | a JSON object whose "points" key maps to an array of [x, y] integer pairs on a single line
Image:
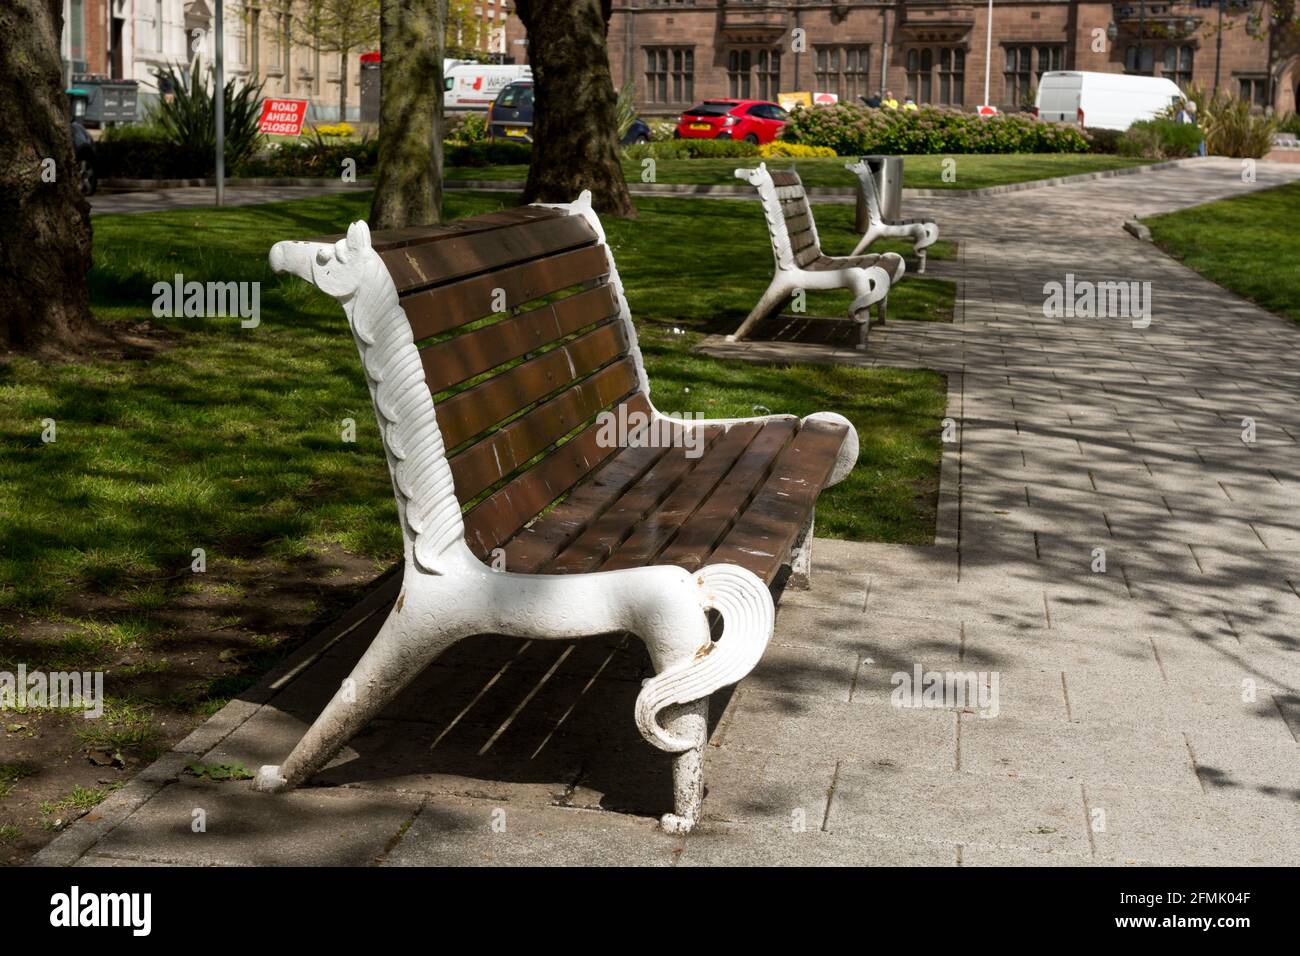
{"points": [[186, 197], [1145, 714]]}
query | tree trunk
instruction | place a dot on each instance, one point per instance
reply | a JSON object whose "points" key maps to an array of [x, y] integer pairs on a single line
{"points": [[343, 85], [408, 188], [45, 254], [575, 130]]}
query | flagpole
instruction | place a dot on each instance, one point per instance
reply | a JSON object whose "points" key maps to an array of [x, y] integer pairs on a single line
{"points": [[988, 51]]}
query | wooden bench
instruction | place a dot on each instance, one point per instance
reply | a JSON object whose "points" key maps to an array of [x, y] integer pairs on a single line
{"points": [[800, 262], [923, 232], [501, 359]]}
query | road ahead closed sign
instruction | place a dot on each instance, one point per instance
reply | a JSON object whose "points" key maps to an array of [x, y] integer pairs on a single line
{"points": [[282, 117]]}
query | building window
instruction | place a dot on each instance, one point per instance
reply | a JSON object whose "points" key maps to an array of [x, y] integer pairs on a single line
{"points": [[952, 75], [920, 67], [1178, 64], [158, 26], [669, 74], [1050, 59], [739, 63], [769, 74], [1253, 89], [1139, 61], [843, 70], [1017, 78]]}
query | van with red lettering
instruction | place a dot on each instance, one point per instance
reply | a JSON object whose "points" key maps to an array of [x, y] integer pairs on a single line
{"points": [[473, 86]]}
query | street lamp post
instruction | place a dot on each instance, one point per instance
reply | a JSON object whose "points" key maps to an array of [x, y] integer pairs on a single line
{"points": [[1142, 19], [1218, 45], [219, 102]]}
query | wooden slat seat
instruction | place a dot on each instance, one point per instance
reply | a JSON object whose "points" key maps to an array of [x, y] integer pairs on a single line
{"points": [[517, 421]]}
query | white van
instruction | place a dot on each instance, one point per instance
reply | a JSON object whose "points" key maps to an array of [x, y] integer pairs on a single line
{"points": [[1103, 100], [473, 86]]}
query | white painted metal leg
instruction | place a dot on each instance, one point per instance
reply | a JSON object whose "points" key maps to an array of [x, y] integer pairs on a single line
{"points": [[691, 721], [801, 558]]}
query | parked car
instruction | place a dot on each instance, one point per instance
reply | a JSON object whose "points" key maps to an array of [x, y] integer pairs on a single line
{"points": [[83, 147], [510, 117], [1103, 100], [474, 86], [638, 132], [754, 121]]}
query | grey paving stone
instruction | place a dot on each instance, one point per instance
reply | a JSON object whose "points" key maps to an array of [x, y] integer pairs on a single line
{"points": [[730, 844], [458, 832], [1040, 815], [1123, 754], [311, 827], [1163, 828]]}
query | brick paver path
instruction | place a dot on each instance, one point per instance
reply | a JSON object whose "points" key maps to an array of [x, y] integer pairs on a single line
{"points": [[1145, 713]]}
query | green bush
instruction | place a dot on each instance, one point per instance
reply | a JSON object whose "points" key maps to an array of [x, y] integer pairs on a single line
{"points": [[1103, 140], [1160, 138], [142, 151], [466, 128], [187, 120], [490, 153], [1233, 129], [313, 157], [1289, 124], [849, 130], [692, 149]]}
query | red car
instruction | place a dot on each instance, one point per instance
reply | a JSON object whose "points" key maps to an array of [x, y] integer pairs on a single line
{"points": [[755, 121]]}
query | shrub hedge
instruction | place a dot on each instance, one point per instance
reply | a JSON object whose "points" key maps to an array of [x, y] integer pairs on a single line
{"points": [[692, 149], [850, 130]]}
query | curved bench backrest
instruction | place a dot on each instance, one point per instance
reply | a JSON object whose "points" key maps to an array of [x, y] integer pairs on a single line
{"points": [[867, 182], [789, 218], [523, 338]]}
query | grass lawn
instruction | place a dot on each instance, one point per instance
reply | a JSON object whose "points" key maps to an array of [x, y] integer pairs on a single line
{"points": [[919, 172], [1249, 244], [230, 440]]}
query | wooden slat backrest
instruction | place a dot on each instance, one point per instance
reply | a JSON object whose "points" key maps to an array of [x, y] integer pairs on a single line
{"points": [[794, 233], [523, 344]]}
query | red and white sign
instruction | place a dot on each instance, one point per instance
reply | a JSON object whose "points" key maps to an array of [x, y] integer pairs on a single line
{"points": [[987, 111], [282, 117]]}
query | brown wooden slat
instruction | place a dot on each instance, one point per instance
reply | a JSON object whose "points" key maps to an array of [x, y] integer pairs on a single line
{"points": [[501, 514], [450, 306], [713, 519], [798, 224], [653, 534], [467, 413], [457, 360], [537, 544], [510, 448], [455, 257], [762, 536], [806, 256], [784, 177], [604, 535], [383, 240]]}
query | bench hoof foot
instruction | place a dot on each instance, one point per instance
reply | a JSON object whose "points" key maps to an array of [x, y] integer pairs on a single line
{"points": [[268, 780], [672, 823]]}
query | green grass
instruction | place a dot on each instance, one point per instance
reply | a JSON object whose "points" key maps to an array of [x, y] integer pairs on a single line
{"points": [[972, 171], [1248, 244], [230, 440]]}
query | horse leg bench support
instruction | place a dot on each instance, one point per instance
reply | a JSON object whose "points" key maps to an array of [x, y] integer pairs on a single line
{"points": [[500, 355], [800, 262]]}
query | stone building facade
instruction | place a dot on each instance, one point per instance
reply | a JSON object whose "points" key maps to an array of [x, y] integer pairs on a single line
{"points": [[681, 51]]}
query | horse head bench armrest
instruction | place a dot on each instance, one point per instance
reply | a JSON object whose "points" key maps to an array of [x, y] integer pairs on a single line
{"points": [[800, 262], [499, 351]]}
